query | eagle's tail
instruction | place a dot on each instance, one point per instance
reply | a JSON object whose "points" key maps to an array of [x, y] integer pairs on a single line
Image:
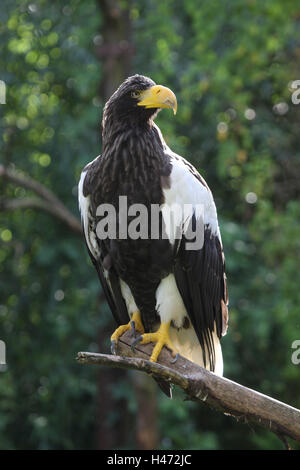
{"points": [[187, 344]]}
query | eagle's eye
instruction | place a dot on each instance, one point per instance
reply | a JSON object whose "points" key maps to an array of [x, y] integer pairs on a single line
{"points": [[135, 94]]}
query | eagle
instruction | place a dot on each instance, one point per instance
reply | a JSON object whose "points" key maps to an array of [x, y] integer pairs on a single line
{"points": [[169, 288]]}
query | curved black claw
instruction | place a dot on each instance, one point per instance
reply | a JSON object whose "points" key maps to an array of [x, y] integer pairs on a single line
{"points": [[132, 325], [113, 347], [135, 342], [175, 359]]}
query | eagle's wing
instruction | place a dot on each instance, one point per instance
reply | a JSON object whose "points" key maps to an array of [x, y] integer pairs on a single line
{"points": [[100, 258], [108, 277], [200, 273]]}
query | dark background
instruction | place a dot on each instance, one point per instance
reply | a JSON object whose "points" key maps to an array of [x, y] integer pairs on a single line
{"points": [[231, 64]]}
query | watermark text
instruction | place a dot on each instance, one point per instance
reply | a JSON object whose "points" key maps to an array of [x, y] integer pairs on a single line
{"points": [[296, 354], [138, 221], [2, 92]]}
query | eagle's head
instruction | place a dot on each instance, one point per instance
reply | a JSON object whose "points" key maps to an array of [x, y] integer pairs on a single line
{"points": [[137, 101]]}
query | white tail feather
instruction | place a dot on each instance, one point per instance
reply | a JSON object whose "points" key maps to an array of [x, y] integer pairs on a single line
{"points": [[187, 344]]}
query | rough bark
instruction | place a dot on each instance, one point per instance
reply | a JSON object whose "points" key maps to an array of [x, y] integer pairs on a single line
{"points": [[220, 393]]}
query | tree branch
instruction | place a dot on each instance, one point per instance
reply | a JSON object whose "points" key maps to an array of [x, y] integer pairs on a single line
{"points": [[201, 385], [47, 201]]}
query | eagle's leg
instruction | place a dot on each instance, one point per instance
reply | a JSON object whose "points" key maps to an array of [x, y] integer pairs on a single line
{"points": [[135, 325], [161, 337]]}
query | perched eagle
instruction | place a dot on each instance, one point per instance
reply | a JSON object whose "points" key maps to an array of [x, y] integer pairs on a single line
{"points": [[172, 294]]}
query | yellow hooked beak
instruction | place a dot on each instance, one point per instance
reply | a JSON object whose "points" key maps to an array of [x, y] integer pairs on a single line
{"points": [[158, 96]]}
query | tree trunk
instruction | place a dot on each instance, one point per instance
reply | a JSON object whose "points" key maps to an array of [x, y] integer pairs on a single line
{"points": [[115, 50], [147, 412], [110, 435]]}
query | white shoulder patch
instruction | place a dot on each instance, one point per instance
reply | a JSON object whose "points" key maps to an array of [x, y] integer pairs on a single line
{"points": [[84, 207], [185, 189]]}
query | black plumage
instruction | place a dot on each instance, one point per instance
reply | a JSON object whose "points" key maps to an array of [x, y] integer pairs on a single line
{"points": [[132, 165]]}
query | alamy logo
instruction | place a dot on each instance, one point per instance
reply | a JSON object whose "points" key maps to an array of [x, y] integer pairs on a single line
{"points": [[296, 354], [2, 353], [137, 221], [295, 85], [2, 92]]}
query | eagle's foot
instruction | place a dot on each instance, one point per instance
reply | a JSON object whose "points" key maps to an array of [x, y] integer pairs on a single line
{"points": [[135, 325], [162, 338]]}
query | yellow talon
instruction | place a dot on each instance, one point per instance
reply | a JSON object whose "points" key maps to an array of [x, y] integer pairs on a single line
{"points": [[162, 338], [138, 325]]}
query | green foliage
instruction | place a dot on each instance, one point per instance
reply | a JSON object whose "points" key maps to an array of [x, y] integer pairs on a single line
{"points": [[230, 64], [49, 294]]}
